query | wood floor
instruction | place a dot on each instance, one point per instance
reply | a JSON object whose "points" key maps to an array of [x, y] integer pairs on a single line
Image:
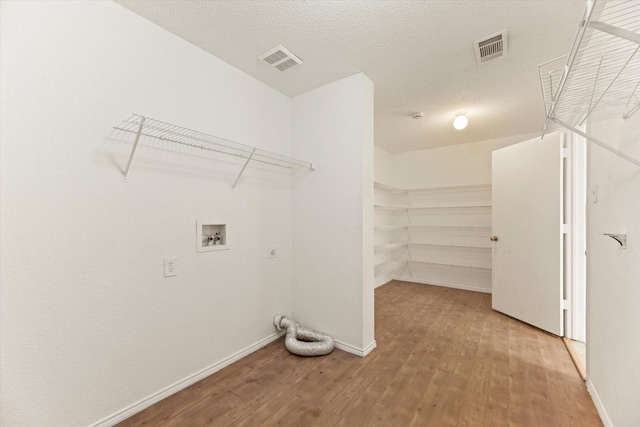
{"points": [[444, 358]]}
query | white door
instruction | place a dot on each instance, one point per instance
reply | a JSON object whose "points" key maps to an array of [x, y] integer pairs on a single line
{"points": [[527, 223]]}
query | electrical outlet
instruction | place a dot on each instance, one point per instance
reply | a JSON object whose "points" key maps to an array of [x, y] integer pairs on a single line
{"points": [[170, 267], [272, 252]]}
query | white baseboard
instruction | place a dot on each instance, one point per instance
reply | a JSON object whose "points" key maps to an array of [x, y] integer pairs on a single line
{"points": [[606, 421], [368, 349], [445, 285], [131, 410], [382, 280], [361, 352]]}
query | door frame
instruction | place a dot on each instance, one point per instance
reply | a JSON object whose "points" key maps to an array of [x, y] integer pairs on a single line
{"points": [[575, 240]]}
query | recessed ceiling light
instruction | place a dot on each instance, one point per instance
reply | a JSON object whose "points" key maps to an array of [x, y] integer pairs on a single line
{"points": [[460, 122], [417, 115]]}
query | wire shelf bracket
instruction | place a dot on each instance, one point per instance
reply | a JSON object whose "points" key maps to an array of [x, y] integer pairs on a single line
{"points": [[600, 75], [148, 127]]}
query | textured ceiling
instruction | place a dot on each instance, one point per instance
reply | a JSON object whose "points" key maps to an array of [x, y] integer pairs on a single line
{"points": [[419, 54]]}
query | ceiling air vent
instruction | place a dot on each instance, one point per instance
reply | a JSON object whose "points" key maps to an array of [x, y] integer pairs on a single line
{"points": [[281, 58], [490, 47]]}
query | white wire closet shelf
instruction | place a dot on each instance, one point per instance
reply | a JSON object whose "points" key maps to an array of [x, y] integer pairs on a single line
{"points": [[600, 76], [148, 127]]}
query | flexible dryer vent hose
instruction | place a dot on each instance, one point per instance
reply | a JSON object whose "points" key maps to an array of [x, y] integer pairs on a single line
{"points": [[302, 341]]}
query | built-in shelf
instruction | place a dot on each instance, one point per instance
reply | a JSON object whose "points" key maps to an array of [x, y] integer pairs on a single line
{"points": [[388, 188], [450, 189], [462, 237], [444, 230], [390, 207], [390, 227], [476, 283], [460, 265], [450, 245], [142, 126], [388, 267], [439, 206], [451, 227], [390, 246], [476, 279], [450, 212]]}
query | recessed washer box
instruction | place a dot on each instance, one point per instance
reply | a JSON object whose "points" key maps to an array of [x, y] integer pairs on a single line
{"points": [[212, 235]]}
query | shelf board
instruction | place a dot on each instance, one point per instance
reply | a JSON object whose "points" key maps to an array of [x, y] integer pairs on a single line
{"points": [[474, 288], [450, 205], [464, 228], [459, 227], [452, 188], [390, 207], [458, 211], [390, 227], [388, 267], [449, 265], [443, 205], [449, 245], [388, 188], [390, 246]]}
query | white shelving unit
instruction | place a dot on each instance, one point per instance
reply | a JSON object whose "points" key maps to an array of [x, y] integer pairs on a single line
{"points": [[390, 246], [437, 236], [390, 232], [600, 76], [142, 126]]}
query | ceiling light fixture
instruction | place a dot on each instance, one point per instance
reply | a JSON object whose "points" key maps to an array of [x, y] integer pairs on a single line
{"points": [[417, 115], [460, 122]]}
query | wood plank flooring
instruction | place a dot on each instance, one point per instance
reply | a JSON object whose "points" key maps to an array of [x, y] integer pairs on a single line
{"points": [[444, 358]]}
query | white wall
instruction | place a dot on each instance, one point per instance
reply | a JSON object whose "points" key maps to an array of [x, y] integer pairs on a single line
{"points": [[384, 167], [463, 164], [89, 323], [613, 274], [333, 233]]}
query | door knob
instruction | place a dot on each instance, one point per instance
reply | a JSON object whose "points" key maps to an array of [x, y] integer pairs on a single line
{"points": [[493, 238]]}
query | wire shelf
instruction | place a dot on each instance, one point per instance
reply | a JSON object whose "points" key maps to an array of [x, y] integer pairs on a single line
{"points": [[600, 76], [146, 126]]}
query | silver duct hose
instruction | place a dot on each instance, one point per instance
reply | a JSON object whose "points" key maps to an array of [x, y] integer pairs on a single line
{"points": [[302, 341]]}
